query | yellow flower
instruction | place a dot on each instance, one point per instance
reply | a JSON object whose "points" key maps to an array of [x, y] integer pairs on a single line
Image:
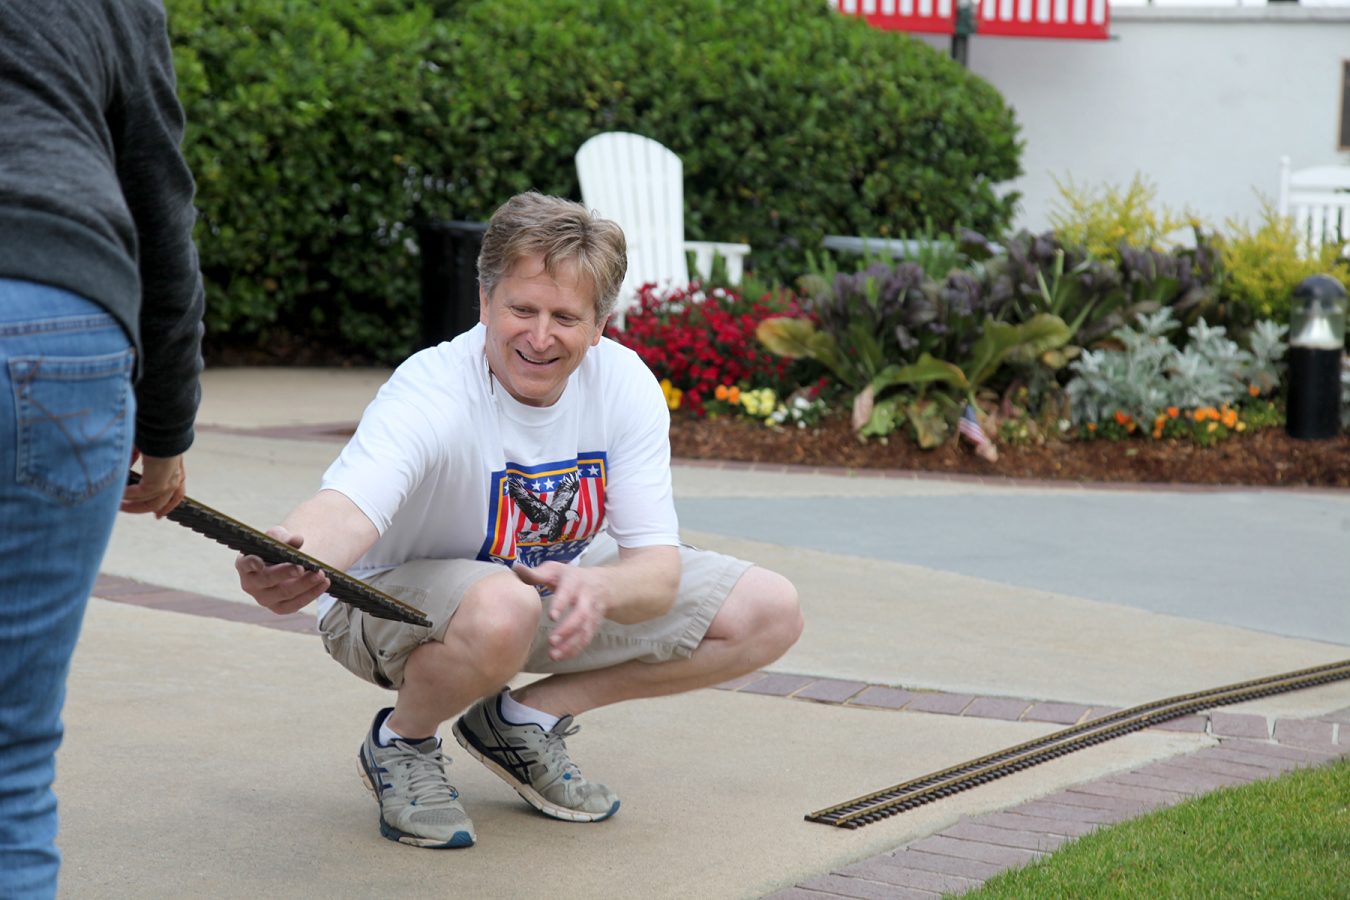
{"points": [[1211, 426], [674, 397], [757, 403]]}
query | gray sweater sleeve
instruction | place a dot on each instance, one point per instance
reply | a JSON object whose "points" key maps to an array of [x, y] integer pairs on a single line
{"points": [[147, 129]]}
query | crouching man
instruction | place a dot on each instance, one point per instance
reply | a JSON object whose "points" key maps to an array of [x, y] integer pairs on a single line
{"points": [[515, 485]]}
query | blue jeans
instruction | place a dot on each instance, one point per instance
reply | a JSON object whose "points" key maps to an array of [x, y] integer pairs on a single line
{"points": [[67, 418]]}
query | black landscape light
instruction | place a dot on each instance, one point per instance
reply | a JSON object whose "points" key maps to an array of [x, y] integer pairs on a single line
{"points": [[1316, 343]]}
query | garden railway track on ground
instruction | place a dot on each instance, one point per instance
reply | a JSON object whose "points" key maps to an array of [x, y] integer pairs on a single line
{"points": [[907, 795]]}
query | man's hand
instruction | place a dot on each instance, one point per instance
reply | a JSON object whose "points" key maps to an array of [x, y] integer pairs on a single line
{"points": [[162, 486], [581, 598], [282, 588]]}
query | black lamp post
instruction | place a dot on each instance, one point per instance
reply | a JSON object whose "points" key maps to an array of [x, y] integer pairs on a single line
{"points": [[1316, 343]]}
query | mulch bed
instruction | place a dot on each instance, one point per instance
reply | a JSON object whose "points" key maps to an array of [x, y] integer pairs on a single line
{"points": [[1268, 457]]}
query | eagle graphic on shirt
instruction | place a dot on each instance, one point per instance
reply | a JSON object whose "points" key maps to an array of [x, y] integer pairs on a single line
{"points": [[544, 512]]}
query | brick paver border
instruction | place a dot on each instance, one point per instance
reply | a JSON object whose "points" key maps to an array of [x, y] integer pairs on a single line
{"points": [[139, 593], [807, 688], [964, 856]]}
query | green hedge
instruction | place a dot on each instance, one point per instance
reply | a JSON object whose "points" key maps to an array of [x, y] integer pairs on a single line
{"points": [[320, 136]]}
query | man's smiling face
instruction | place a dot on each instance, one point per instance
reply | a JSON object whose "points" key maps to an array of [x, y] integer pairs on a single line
{"points": [[539, 328]]}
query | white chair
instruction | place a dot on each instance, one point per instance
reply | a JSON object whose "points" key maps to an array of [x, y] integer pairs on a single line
{"points": [[639, 183], [1318, 200]]}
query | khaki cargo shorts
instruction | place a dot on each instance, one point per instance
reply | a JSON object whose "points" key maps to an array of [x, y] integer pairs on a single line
{"points": [[377, 649]]}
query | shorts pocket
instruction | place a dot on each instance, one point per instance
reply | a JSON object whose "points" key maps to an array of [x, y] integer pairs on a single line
{"points": [[74, 422], [345, 641]]}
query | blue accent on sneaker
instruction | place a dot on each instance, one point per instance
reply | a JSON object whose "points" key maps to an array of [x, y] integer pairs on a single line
{"points": [[459, 839]]}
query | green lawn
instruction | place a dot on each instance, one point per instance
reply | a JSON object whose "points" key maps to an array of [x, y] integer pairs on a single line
{"points": [[1289, 837]]}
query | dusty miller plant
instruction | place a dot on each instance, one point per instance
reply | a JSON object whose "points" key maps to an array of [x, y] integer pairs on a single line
{"points": [[1149, 373]]}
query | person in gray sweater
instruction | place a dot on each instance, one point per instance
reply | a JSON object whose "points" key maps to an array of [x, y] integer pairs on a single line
{"points": [[100, 353]]}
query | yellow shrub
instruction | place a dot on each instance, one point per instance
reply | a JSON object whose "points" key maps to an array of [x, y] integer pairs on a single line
{"points": [[1101, 220], [1262, 266]]}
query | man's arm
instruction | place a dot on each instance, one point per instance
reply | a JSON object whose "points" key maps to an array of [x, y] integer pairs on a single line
{"points": [[640, 586], [331, 528]]}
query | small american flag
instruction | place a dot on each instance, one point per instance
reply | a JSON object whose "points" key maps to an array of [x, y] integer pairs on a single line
{"points": [[969, 428]]}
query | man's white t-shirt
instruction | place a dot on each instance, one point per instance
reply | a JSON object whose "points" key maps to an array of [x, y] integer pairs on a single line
{"points": [[448, 465]]}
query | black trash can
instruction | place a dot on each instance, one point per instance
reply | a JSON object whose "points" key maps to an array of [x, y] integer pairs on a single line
{"points": [[449, 278], [1316, 343]]}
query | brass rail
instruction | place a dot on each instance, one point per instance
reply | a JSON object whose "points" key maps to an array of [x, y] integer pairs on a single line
{"points": [[237, 536]]}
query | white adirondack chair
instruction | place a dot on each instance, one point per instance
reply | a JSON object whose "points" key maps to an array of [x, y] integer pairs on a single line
{"points": [[1318, 200], [639, 183]]}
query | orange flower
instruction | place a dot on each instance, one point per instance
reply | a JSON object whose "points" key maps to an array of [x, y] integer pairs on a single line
{"points": [[1092, 426], [721, 392], [734, 395], [1123, 419], [1157, 432], [1253, 390], [1173, 412], [1229, 418]]}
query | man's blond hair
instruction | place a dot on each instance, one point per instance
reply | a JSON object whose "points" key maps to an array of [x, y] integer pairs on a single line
{"points": [[564, 233]]}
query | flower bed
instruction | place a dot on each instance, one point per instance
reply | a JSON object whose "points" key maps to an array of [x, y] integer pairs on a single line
{"points": [[1038, 340]]}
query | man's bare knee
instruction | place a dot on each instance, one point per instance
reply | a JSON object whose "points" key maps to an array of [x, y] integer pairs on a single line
{"points": [[762, 612], [496, 623]]}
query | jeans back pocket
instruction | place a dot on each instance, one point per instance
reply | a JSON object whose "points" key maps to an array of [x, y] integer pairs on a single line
{"points": [[74, 418]]}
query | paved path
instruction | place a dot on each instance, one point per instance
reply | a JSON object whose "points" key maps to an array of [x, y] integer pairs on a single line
{"points": [[917, 655], [1273, 561]]}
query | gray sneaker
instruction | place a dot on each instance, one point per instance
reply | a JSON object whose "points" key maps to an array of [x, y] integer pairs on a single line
{"points": [[418, 806], [535, 763]]}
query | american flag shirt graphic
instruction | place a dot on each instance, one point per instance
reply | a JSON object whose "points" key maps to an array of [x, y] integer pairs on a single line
{"points": [[544, 513]]}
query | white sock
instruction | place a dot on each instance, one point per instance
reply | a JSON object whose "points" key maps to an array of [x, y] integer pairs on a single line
{"points": [[389, 735], [520, 714]]}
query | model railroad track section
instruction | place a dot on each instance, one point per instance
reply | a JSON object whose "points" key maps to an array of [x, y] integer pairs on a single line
{"points": [[237, 536], [911, 794]]}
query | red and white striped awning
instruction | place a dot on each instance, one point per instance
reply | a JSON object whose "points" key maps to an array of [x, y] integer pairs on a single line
{"points": [[930, 16], [1074, 19], [1081, 19]]}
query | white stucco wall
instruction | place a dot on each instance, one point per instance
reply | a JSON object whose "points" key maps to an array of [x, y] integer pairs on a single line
{"points": [[1203, 102]]}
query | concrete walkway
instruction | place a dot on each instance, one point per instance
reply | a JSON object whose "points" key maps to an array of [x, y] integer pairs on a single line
{"points": [[207, 755]]}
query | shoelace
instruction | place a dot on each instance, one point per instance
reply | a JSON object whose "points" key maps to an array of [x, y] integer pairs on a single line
{"points": [[556, 749], [426, 777]]}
